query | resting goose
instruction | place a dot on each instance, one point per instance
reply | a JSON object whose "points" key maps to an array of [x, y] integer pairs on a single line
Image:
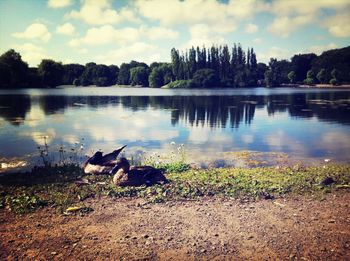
{"points": [[99, 164], [126, 175]]}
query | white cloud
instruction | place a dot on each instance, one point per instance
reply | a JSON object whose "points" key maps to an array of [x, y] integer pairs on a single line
{"points": [[283, 25], [143, 51], [40, 137], [274, 52], [246, 8], [58, 3], [31, 53], [170, 12], [251, 28], [35, 31], [66, 29], [293, 14], [202, 34], [156, 33], [258, 40], [302, 7], [100, 12], [247, 138], [108, 34], [318, 49], [338, 25]]}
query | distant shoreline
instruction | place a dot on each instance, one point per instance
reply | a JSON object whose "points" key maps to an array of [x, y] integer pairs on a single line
{"points": [[303, 86], [323, 86]]}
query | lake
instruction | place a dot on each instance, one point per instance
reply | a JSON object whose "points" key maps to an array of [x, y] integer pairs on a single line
{"points": [[215, 127]]}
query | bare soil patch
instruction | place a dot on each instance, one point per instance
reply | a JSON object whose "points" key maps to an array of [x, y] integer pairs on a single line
{"points": [[297, 227]]}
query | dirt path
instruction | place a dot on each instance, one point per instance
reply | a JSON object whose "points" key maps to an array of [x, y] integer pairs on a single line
{"points": [[302, 228]]}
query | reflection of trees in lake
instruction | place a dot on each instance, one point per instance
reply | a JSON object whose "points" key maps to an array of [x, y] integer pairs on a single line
{"points": [[330, 107], [13, 108], [213, 111]]}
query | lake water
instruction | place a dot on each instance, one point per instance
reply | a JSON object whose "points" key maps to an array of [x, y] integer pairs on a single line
{"points": [[214, 125]]}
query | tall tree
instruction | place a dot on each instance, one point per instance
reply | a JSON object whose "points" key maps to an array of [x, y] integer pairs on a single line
{"points": [[175, 61], [13, 71], [139, 76], [51, 72]]}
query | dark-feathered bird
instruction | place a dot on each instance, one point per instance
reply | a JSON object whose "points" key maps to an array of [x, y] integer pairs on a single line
{"points": [[99, 164], [126, 175]]}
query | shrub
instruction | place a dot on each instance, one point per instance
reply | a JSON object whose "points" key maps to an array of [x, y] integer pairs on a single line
{"points": [[181, 84], [334, 81]]}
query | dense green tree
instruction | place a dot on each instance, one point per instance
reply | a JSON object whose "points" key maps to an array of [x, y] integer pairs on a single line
{"points": [[124, 74], [156, 78], [139, 76], [224, 71], [205, 78], [13, 71], [269, 78], [301, 64], [51, 72], [175, 61], [231, 69], [310, 77], [277, 73], [71, 72], [87, 76], [334, 59], [160, 75], [291, 76], [335, 75], [113, 74], [321, 76]]}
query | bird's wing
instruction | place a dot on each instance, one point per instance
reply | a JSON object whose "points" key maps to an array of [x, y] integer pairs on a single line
{"points": [[113, 155]]}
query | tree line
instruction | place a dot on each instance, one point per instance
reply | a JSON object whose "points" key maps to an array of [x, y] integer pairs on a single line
{"points": [[217, 66]]}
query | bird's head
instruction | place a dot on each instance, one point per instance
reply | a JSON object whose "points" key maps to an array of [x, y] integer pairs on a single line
{"points": [[122, 163]]}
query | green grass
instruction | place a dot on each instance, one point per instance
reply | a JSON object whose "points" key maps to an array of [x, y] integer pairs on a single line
{"points": [[54, 186]]}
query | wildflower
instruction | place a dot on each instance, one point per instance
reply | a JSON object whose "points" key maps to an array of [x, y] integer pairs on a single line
{"points": [[172, 143], [82, 147]]}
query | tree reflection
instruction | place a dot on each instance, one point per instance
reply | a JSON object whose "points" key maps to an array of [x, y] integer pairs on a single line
{"points": [[13, 108], [212, 111]]}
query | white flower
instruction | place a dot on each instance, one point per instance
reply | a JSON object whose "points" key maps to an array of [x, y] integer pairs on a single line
{"points": [[172, 143]]}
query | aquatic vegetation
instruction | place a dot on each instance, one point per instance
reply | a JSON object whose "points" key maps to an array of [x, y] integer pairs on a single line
{"points": [[73, 155], [173, 160]]}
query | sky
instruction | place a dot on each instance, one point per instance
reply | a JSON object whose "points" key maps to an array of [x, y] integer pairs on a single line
{"points": [[113, 32]]}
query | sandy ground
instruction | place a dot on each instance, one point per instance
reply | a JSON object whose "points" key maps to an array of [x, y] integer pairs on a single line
{"points": [[298, 227]]}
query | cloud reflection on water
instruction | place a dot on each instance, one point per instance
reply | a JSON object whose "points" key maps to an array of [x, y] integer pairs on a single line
{"points": [[208, 125]]}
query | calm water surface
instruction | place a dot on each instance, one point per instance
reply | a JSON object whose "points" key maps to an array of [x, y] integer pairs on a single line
{"points": [[306, 124]]}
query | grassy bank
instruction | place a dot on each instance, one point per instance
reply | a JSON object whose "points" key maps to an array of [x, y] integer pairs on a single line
{"points": [[67, 186]]}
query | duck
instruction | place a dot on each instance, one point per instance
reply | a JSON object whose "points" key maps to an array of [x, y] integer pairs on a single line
{"points": [[126, 175], [100, 164]]}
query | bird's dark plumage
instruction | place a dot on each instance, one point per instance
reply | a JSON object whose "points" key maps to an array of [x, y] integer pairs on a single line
{"points": [[127, 175], [99, 164]]}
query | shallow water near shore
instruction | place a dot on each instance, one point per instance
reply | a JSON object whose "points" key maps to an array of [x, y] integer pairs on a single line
{"points": [[218, 127]]}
